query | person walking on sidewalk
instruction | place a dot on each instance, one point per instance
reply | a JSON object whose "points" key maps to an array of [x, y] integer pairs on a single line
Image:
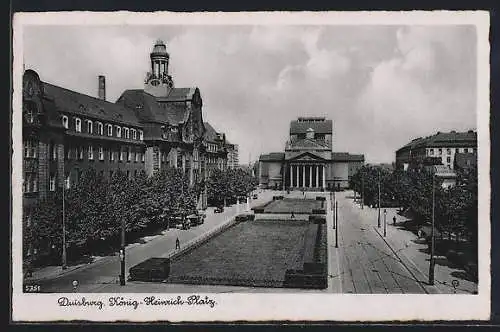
{"points": [[177, 244], [394, 220]]}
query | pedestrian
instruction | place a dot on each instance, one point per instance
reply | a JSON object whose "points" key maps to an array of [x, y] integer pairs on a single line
{"points": [[394, 220], [177, 244], [292, 216]]}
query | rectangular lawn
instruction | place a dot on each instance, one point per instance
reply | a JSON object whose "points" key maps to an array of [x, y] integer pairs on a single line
{"points": [[252, 253]]}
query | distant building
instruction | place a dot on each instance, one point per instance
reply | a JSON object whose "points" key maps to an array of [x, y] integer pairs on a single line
{"points": [[233, 160], [216, 149], [308, 161], [445, 174], [438, 149]]}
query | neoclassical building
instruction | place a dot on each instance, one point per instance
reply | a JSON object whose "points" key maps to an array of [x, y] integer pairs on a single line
{"points": [[66, 132], [308, 162]]}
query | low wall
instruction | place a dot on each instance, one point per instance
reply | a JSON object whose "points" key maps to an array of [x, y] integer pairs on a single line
{"points": [[198, 241], [281, 216]]}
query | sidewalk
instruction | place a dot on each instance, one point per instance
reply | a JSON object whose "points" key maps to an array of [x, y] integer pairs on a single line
{"points": [[413, 253], [212, 222]]}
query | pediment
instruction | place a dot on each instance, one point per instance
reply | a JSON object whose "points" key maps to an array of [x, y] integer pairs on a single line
{"points": [[306, 156]]}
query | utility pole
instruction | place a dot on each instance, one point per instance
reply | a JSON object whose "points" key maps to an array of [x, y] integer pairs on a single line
{"points": [[362, 191], [122, 253], [385, 222], [431, 261], [64, 260], [378, 222], [337, 225]]}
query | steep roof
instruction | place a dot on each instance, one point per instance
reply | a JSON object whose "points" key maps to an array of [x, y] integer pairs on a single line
{"points": [[320, 127], [72, 102], [273, 156], [452, 138], [210, 133], [307, 143], [149, 108]]}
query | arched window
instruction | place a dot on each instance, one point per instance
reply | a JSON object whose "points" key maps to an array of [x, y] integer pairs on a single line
{"points": [[65, 121], [89, 127], [78, 125], [99, 128], [110, 129]]}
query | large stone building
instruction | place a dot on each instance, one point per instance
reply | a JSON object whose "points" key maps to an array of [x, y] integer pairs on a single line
{"points": [[309, 161], [66, 132], [439, 149]]}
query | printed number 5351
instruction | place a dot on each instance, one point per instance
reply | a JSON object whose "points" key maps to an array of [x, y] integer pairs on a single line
{"points": [[32, 288]]}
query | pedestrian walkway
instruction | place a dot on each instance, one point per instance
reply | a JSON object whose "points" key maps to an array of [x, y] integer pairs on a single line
{"points": [[414, 252], [106, 269]]}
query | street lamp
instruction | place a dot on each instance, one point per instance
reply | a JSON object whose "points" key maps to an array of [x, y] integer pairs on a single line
{"points": [[378, 220], [431, 261], [385, 222], [122, 252], [362, 191], [64, 260]]}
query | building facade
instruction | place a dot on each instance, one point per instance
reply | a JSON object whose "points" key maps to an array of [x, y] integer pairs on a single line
{"points": [[440, 149], [216, 149], [308, 162], [233, 160], [66, 132]]}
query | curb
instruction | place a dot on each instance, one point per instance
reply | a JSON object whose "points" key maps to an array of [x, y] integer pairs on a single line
{"points": [[405, 265]]}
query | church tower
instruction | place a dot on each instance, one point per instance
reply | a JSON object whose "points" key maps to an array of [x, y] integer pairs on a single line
{"points": [[158, 82]]}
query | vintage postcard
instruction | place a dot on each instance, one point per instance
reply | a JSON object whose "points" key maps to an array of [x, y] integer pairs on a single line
{"points": [[262, 166]]}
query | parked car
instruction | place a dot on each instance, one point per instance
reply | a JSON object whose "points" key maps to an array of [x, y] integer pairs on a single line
{"points": [[424, 232], [219, 209], [255, 196], [196, 218], [180, 221]]}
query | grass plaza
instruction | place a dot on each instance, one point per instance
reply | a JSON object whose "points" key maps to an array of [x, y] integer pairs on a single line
{"points": [[256, 253]]}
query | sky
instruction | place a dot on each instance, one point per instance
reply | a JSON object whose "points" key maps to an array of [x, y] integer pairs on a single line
{"points": [[381, 85]]}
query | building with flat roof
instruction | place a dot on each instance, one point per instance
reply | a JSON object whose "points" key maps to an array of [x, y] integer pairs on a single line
{"points": [[309, 162]]}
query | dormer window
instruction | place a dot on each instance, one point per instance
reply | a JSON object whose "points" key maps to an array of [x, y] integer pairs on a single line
{"points": [[78, 125], [65, 123], [89, 127], [310, 133], [99, 128]]}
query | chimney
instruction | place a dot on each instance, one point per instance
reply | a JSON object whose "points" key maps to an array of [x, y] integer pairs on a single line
{"points": [[102, 87]]}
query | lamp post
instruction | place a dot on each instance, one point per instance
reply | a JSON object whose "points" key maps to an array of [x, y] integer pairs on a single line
{"points": [[378, 219], [385, 222], [336, 224], [431, 261], [64, 260], [362, 191], [122, 252]]}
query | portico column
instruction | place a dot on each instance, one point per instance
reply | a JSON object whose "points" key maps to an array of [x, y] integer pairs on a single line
{"points": [[310, 176], [317, 176], [324, 180], [303, 176], [297, 175], [291, 178]]}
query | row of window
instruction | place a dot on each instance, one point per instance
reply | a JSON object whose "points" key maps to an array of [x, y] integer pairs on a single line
{"points": [[128, 133], [439, 151], [212, 147], [124, 154]]}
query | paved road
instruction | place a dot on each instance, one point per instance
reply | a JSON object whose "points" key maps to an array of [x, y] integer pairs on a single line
{"points": [[104, 272], [366, 264]]}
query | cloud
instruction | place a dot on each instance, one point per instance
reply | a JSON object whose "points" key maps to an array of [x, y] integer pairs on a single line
{"points": [[381, 85]]}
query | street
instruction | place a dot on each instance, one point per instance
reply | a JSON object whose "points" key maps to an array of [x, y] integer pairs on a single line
{"points": [[363, 263]]}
